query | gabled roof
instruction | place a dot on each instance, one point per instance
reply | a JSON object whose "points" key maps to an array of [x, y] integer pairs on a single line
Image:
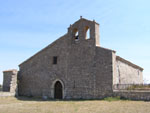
{"points": [[129, 63], [43, 49]]}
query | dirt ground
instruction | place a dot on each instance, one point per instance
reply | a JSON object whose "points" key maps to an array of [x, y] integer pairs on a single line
{"points": [[28, 105]]}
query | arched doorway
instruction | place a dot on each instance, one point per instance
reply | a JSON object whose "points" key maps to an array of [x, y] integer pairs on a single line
{"points": [[58, 90]]}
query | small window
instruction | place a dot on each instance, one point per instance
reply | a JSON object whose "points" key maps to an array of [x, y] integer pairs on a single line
{"points": [[55, 60]]}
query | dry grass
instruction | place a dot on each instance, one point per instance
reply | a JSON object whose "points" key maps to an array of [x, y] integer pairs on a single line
{"points": [[14, 105]]}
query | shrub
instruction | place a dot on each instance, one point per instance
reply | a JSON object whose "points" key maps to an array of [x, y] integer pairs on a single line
{"points": [[112, 98]]}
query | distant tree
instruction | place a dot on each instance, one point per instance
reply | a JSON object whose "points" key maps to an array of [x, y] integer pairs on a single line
{"points": [[145, 81]]}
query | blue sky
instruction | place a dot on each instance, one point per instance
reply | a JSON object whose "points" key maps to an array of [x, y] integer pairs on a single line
{"points": [[27, 26]]}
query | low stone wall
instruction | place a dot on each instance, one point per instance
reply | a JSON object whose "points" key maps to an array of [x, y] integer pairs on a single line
{"points": [[6, 94], [133, 95]]}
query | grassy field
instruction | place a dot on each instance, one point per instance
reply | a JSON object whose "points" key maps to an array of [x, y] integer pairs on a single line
{"points": [[27, 105]]}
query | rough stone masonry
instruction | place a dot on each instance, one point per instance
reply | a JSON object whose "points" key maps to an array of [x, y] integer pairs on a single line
{"points": [[75, 66]]}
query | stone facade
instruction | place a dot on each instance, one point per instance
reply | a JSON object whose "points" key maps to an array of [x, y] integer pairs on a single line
{"points": [[74, 66]]}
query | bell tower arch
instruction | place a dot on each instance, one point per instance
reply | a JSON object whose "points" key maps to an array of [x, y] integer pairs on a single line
{"points": [[84, 30]]}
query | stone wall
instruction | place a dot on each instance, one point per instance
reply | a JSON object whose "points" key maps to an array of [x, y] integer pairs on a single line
{"points": [[37, 74], [103, 71], [133, 95], [127, 72], [10, 81]]}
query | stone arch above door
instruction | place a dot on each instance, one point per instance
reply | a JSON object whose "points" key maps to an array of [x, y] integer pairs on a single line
{"points": [[53, 88]]}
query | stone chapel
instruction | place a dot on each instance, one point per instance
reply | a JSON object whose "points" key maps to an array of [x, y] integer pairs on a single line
{"points": [[75, 66]]}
